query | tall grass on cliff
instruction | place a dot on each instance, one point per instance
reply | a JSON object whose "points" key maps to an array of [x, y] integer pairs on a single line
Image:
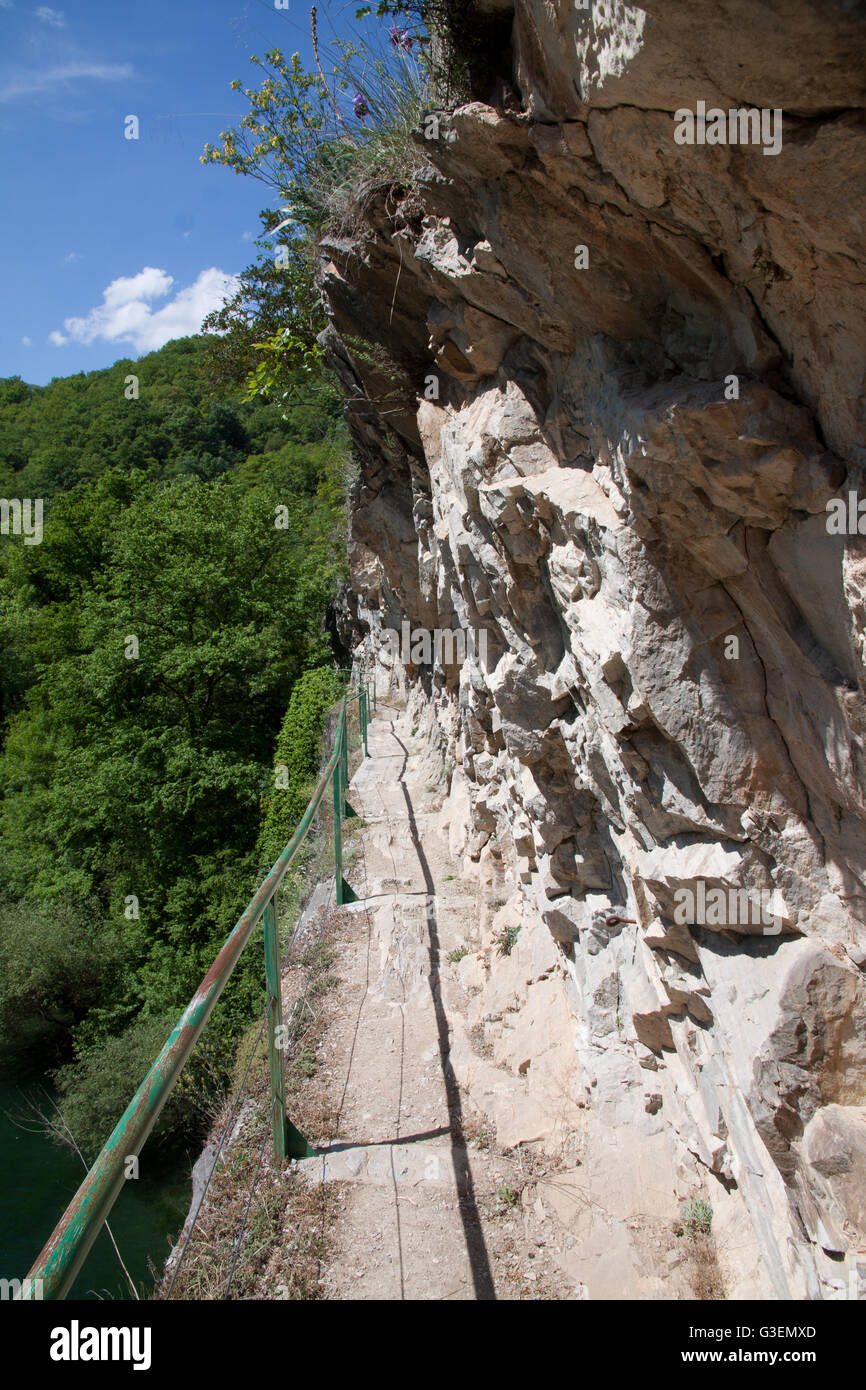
{"points": [[329, 141], [454, 37]]}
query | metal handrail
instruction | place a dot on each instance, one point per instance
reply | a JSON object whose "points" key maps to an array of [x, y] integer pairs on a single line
{"points": [[65, 1251]]}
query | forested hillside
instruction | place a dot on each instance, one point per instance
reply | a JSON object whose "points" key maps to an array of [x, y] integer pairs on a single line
{"points": [[148, 650]]}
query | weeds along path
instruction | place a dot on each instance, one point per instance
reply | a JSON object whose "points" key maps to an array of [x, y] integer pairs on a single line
{"points": [[427, 1209]]}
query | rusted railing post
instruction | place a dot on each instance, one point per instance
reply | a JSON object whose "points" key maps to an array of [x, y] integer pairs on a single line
{"points": [[338, 832], [276, 1032], [344, 765]]}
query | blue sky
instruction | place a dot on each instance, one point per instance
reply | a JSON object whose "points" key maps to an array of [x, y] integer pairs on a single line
{"points": [[109, 246]]}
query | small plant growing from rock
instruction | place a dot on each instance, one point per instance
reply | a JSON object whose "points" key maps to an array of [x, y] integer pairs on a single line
{"points": [[696, 1217], [508, 1195], [479, 1040], [456, 957], [702, 1266], [507, 940], [483, 1138], [476, 1131]]}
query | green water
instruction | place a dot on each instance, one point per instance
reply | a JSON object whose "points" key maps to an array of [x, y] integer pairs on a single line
{"points": [[37, 1179]]}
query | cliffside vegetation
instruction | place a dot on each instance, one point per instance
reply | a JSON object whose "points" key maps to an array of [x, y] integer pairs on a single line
{"points": [[326, 141]]}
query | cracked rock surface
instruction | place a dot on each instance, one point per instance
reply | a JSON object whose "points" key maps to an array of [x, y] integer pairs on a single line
{"points": [[620, 476]]}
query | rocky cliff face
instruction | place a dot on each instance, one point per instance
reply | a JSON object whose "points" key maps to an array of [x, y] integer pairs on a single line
{"points": [[603, 385]]}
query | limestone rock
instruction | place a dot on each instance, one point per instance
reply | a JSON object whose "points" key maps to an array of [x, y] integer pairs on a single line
{"points": [[623, 483]]}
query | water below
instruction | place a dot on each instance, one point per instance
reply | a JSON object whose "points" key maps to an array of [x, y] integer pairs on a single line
{"points": [[37, 1180]]}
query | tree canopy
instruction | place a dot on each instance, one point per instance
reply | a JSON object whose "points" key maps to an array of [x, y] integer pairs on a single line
{"points": [[149, 646]]}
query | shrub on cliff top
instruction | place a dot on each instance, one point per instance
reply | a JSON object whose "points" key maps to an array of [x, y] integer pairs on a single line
{"points": [[327, 144]]}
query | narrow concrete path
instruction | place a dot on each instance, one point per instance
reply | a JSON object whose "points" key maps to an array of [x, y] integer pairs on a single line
{"points": [[421, 1217]]}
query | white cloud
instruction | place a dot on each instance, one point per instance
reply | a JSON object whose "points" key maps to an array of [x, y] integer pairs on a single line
{"points": [[246, 236], [43, 80], [54, 17], [25, 341], [72, 256], [126, 313]]}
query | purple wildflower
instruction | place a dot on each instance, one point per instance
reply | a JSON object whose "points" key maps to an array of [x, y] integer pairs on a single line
{"points": [[360, 107], [400, 38]]}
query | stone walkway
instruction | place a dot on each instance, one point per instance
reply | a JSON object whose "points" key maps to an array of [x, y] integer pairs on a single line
{"points": [[428, 1210]]}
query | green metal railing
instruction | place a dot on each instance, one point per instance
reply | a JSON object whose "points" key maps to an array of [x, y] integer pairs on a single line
{"points": [[67, 1248]]}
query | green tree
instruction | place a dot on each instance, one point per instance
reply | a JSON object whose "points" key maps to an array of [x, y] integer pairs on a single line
{"points": [[56, 963]]}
